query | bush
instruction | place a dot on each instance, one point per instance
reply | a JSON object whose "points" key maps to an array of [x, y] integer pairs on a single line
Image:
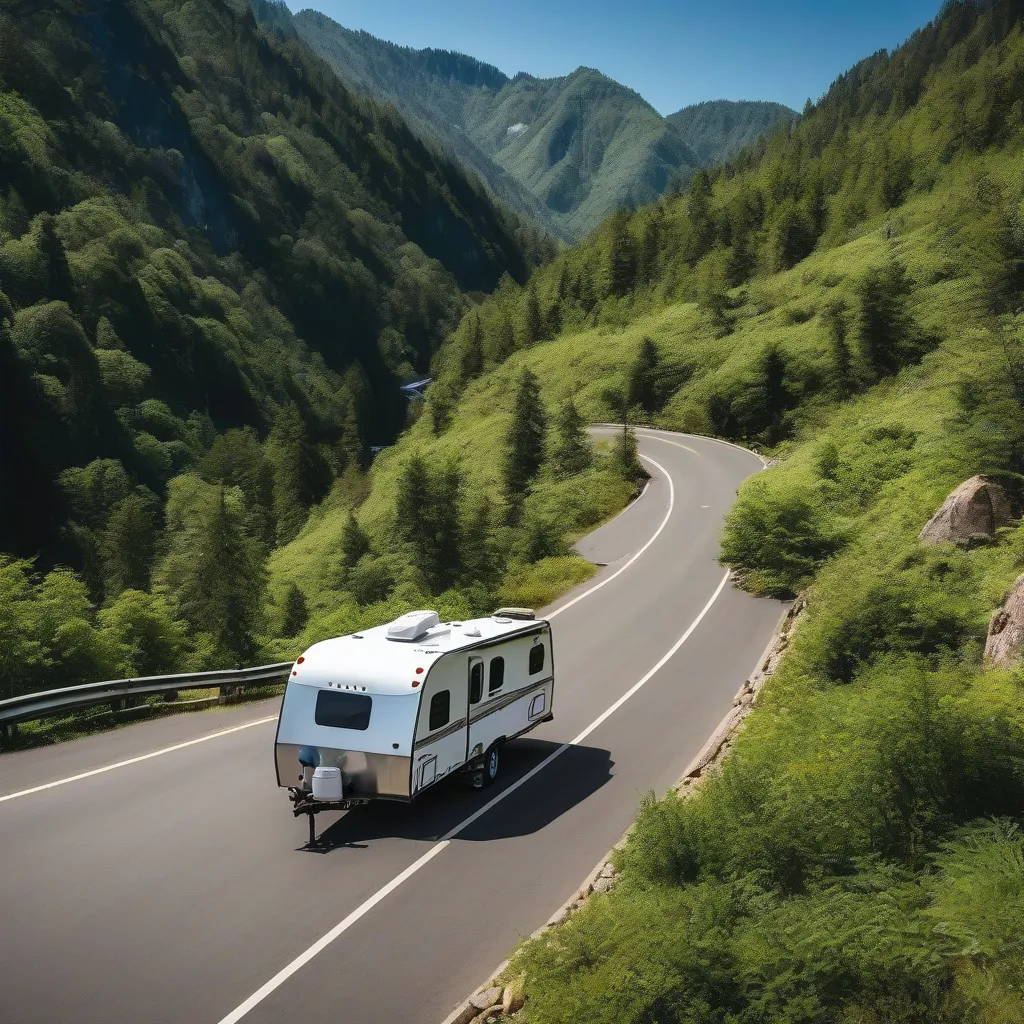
{"points": [[776, 538]]}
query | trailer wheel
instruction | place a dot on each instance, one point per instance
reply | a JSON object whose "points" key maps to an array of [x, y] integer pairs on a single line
{"points": [[492, 764]]}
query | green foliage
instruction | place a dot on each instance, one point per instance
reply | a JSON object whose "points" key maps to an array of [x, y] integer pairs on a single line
{"points": [[642, 382], [572, 451], [524, 442], [779, 537], [213, 570], [889, 336]]}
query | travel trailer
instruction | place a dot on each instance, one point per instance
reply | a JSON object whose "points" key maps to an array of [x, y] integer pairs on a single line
{"points": [[387, 713]]}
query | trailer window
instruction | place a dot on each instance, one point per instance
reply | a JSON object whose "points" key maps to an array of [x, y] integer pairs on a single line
{"points": [[496, 678], [440, 710], [343, 710], [536, 659], [476, 682]]}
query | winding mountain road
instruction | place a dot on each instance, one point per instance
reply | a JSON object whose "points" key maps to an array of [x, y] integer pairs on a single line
{"points": [[155, 875]]}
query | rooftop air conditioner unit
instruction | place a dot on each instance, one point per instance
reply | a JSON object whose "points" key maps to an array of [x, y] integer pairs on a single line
{"points": [[413, 625]]}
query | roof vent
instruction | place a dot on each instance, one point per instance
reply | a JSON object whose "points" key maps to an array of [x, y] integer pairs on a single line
{"points": [[412, 625], [515, 613]]}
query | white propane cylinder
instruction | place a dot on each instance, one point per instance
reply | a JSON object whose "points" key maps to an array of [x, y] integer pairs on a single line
{"points": [[327, 784]]}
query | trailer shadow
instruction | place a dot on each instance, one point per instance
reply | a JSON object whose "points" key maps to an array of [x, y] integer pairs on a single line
{"points": [[571, 778]]}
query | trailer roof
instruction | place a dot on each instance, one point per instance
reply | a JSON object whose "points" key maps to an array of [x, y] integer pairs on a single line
{"points": [[373, 662]]}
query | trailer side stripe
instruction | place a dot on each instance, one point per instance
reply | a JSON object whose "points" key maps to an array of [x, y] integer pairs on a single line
{"points": [[503, 702]]}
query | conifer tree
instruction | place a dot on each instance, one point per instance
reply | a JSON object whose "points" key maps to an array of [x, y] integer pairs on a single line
{"points": [[886, 326], [533, 324], [504, 338], [412, 501], [480, 558], [622, 257], [298, 472], [642, 383], [625, 456], [354, 542], [473, 349], [572, 451], [214, 569], [295, 609], [444, 562], [128, 545], [524, 442], [834, 318]]}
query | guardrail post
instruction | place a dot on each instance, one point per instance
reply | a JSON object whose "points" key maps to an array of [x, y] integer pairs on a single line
{"points": [[8, 732]]}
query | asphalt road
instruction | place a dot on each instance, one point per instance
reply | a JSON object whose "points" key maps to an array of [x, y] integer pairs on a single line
{"points": [[176, 888]]}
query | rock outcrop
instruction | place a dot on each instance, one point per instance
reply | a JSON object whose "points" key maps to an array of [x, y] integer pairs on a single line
{"points": [[1005, 642], [970, 515]]}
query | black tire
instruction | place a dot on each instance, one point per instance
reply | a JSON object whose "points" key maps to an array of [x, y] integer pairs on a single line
{"points": [[492, 764]]}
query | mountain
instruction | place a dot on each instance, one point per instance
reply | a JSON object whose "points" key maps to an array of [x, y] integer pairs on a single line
{"points": [[567, 151], [202, 230], [717, 129]]}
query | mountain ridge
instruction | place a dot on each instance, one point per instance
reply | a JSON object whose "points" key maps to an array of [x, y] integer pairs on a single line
{"points": [[588, 145]]}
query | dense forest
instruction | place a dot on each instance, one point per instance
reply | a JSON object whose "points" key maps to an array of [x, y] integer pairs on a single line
{"points": [[716, 130], [217, 265]]}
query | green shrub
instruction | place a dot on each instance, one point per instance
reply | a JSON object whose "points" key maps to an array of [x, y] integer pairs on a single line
{"points": [[776, 537]]}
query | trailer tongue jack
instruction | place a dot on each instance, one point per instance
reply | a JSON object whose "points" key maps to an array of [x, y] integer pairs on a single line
{"points": [[304, 803]]}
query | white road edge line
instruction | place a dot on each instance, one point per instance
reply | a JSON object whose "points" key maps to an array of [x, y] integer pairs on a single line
{"points": [[303, 958], [136, 760], [622, 569]]}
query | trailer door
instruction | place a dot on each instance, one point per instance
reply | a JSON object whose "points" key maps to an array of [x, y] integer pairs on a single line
{"points": [[476, 693]]}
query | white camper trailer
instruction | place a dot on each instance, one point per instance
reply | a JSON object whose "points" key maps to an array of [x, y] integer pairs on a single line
{"points": [[387, 713]]}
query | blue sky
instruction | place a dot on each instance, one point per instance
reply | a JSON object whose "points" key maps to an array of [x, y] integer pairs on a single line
{"points": [[673, 54]]}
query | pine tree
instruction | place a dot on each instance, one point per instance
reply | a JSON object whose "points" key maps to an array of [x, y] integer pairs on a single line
{"points": [[444, 562], [524, 442], [533, 324], [354, 542], [622, 257], [473, 349], [625, 456], [350, 443], [642, 383], [504, 339], [481, 564], [834, 318], [128, 545], [412, 501], [886, 326], [702, 228], [298, 472], [650, 247], [295, 610], [427, 519], [215, 572], [572, 452]]}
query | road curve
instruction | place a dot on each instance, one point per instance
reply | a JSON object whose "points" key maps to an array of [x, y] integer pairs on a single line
{"points": [[175, 889]]}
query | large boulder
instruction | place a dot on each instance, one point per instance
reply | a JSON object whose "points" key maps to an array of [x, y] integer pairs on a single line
{"points": [[1005, 640], [970, 515]]}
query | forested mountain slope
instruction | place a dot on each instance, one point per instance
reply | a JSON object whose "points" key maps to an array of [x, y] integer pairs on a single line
{"points": [[217, 261], [568, 151], [718, 129]]}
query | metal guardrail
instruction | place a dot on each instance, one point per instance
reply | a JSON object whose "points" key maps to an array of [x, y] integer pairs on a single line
{"points": [[32, 706]]}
